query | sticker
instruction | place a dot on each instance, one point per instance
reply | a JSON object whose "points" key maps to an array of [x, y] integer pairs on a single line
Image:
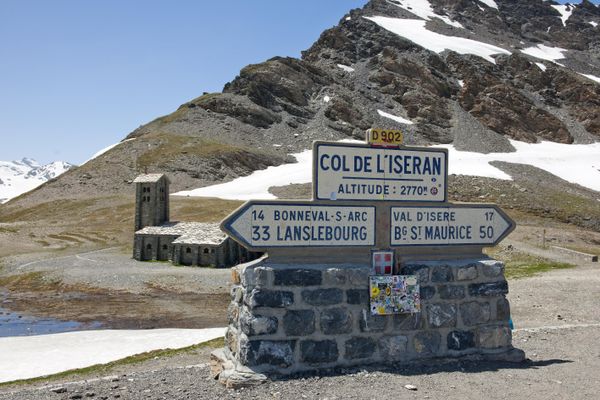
{"points": [[394, 294], [382, 263]]}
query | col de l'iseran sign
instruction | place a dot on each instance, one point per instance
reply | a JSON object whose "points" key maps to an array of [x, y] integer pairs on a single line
{"points": [[367, 180], [350, 171]]}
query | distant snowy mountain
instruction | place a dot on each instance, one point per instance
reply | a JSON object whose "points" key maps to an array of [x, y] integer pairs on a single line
{"points": [[17, 177]]}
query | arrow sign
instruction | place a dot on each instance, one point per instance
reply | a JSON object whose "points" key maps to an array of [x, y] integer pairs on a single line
{"points": [[258, 225], [456, 224]]}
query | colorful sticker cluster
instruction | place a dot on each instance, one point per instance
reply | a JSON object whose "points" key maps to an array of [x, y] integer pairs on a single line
{"points": [[394, 294]]}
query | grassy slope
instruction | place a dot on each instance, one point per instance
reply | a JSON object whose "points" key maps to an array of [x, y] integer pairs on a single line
{"points": [[66, 226]]}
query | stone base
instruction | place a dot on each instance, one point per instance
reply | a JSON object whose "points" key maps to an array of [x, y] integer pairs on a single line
{"points": [[286, 319], [230, 374]]}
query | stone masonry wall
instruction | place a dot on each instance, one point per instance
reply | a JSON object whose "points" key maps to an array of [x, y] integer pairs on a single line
{"points": [[290, 318]]}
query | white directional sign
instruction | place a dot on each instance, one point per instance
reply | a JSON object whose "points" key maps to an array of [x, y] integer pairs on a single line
{"points": [[351, 171], [263, 224], [446, 226]]}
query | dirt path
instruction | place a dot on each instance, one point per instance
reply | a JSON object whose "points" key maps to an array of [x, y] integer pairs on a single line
{"points": [[108, 287]]}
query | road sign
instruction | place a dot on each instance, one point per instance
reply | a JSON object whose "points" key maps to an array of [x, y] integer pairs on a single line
{"points": [[258, 225], [352, 171], [384, 137], [456, 224]]}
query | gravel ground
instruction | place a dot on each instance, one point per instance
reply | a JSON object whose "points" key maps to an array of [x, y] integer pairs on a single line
{"points": [[558, 326], [112, 269], [109, 288], [561, 366]]}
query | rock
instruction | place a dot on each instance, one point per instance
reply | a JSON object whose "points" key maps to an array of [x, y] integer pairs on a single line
{"points": [[270, 298], [393, 347], [488, 289], [422, 272], [410, 387], [460, 340], [323, 297], [277, 353], [299, 322], [360, 347], [502, 310], [442, 274], [60, 389], [253, 325], [441, 315], [473, 313], [427, 342], [236, 380], [358, 277], [492, 268], [494, 337], [372, 323], [467, 273], [334, 277], [408, 322], [451, 292], [427, 292], [298, 277], [357, 296], [318, 352], [336, 321]]}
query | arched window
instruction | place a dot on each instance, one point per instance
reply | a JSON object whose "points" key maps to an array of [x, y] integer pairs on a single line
{"points": [[206, 251], [188, 250], [149, 246], [165, 247], [212, 251]]}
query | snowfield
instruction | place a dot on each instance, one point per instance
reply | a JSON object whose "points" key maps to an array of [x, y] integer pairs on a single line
{"points": [[18, 177], [27, 357], [576, 163], [415, 31]]}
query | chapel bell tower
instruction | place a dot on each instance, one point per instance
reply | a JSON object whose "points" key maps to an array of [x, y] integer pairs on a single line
{"points": [[151, 200]]}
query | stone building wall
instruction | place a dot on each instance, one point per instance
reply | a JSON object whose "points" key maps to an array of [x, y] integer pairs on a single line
{"points": [[290, 318], [152, 203]]}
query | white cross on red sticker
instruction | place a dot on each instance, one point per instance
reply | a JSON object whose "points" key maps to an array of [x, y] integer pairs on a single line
{"points": [[383, 262]]}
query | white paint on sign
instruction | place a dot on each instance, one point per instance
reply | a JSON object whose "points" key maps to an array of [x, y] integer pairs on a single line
{"points": [[261, 225], [359, 172], [445, 226]]}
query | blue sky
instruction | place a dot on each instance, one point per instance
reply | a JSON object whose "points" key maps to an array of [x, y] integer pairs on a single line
{"points": [[77, 76]]}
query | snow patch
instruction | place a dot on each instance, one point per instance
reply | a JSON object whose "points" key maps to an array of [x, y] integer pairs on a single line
{"points": [[576, 163], [461, 83], [423, 9], [256, 186], [104, 150], [545, 53], [326, 99], [594, 24], [395, 118], [414, 30], [592, 77], [28, 357], [489, 3], [345, 68], [541, 66], [565, 12]]}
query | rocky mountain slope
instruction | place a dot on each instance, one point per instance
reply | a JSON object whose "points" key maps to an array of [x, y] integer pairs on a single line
{"points": [[469, 72], [17, 177]]}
